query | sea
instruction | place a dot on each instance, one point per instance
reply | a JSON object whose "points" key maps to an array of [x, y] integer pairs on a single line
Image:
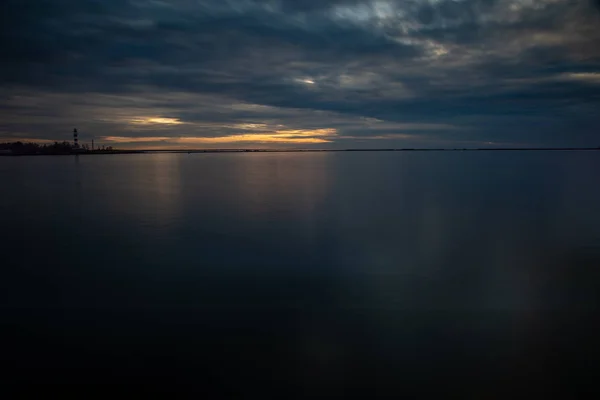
{"points": [[303, 274]]}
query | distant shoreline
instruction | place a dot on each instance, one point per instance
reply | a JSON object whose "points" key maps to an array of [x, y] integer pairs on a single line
{"points": [[114, 152], [83, 153]]}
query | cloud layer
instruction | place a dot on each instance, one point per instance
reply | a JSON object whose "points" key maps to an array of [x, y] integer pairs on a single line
{"points": [[302, 73]]}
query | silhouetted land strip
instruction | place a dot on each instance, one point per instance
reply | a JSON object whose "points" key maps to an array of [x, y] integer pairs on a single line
{"points": [[84, 152], [55, 149], [66, 148]]}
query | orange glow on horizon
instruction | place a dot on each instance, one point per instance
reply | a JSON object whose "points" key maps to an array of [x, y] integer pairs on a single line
{"points": [[214, 140], [302, 136], [248, 138]]}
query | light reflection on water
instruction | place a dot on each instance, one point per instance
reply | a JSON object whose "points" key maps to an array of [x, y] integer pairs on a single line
{"points": [[339, 267], [289, 184], [142, 190]]}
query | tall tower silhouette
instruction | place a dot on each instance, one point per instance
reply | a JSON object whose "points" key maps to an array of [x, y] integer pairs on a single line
{"points": [[75, 138]]}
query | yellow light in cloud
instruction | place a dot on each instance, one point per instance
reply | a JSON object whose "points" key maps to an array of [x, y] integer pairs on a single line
{"points": [[589, 77], [306, 81], [141, 139], [250, 127], [156, 121], [305, 132], [264, 128]]}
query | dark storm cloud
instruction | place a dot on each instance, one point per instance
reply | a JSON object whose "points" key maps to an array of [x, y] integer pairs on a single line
{"points": [[483, 67]]}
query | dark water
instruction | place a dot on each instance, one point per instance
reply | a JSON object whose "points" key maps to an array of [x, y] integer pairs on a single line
{"points": [[317, 273]]}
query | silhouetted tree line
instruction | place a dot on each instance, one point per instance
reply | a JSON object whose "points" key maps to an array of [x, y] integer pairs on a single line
{"points": [[20, 148]]}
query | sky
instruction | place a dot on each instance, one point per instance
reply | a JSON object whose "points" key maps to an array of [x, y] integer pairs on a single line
{"points": [[158, 74]]}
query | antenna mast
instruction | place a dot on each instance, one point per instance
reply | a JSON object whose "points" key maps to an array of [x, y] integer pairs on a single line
{"points": [[75, 139]]}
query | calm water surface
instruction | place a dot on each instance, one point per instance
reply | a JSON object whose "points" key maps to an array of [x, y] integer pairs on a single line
{"points": [[324, 273]]}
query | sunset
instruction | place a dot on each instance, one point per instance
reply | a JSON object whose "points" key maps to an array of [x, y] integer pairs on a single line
{"points": [[301, 199], [513, 73]]}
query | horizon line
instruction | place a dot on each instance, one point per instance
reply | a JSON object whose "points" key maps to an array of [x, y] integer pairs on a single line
{"points": [[242, 150]]}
